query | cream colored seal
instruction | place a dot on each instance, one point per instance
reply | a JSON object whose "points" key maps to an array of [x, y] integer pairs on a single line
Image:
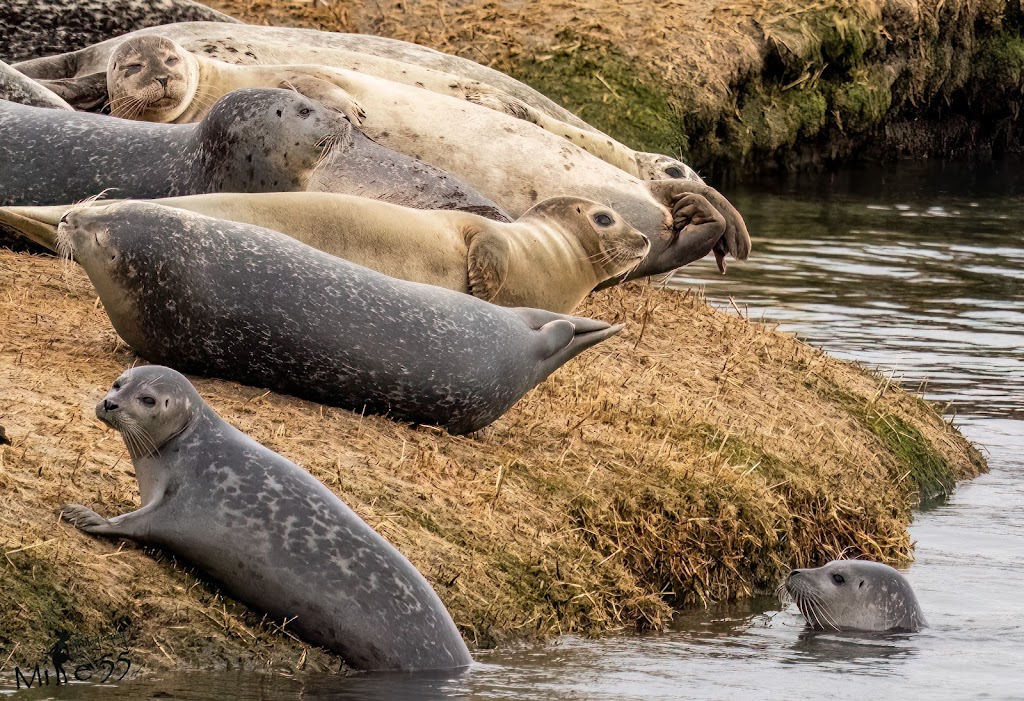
{"points": [[551, 258]]}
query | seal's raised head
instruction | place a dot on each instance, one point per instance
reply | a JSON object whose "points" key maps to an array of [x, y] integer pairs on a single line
{"points": [[855, 595], [610, 244], [149, 405], [655, 166], [151, 79]]}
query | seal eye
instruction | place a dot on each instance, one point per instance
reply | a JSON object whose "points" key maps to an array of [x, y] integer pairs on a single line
{"points": [[172, 61], [603, 219], [305, 112], [148, 401], [674, 172], [839, 579], [117, 384], [132, 69]]}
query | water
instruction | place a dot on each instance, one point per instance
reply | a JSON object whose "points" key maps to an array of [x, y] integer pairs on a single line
{"points": [[919, 269]]}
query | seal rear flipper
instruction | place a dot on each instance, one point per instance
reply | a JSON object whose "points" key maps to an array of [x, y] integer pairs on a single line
{"points": [[38, 224], [536, 318], [88, 93], [562, 339]]}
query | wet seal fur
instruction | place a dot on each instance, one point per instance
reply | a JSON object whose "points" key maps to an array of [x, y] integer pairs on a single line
{"points": [[252, 305], [855, 595], [550, 258], [267, 531], [35, 28], [381, 57], [15, 87]]}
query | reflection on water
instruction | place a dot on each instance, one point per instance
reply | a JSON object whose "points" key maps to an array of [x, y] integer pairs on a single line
{"points": [[918, 269]]}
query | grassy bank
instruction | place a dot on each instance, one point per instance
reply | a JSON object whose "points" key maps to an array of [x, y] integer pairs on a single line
{"points": [[737, 86], [693, 458]]}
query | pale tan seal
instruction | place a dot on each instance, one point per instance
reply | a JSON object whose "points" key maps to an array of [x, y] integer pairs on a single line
{"points": [[550, 258], [511, 161], [396, 61]]}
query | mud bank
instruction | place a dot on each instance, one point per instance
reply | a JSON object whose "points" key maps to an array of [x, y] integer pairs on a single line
{"points": [[693, 458], [741, 86]]}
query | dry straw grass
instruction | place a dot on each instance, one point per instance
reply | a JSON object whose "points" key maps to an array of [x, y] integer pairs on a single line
{"points": [[693, 458]]}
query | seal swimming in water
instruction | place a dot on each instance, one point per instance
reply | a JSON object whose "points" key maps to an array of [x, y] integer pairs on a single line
{"points": [[550, 258], [258, 140], [34, 28], [15, 87], [267, 531], [855, 595], [373, 55], [248, 304]]}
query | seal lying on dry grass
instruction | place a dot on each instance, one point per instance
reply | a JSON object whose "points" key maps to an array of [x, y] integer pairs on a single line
{"points": [[267, 531], [550, 258], [248, 304], [855, 595], [377, 56]]}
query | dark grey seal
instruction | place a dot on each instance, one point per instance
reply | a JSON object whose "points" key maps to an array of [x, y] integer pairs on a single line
{"points": [[267, 531], [855, 595], [248, 304], [257, 140], [34, 28], [16, 87]]}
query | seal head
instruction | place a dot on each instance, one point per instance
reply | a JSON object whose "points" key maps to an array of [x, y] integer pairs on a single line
{"points": [[855, 595], [151, 79], [655, 166]]}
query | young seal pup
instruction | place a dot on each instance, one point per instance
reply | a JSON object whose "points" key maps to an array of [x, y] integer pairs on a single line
{"points": [[402, 62], [855, 595], [550, 258], [267, 531], [248, 304]]}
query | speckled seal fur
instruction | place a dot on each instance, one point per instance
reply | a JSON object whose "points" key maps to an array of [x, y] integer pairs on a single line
{"points": [[252, 141], [35, 28], [15, 87], [855, 595], [267, 531], [248, 304]]}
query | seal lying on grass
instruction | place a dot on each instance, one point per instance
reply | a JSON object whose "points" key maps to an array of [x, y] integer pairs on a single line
{"points": [[267, 531], [248, 304], [550, 258], [855, 595]]}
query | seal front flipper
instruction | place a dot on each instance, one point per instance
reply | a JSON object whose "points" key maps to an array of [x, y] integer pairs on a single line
{"points": [[134, 525], [487, 264], [17, 87], [87, 93], [326, 90], [736, 239]]}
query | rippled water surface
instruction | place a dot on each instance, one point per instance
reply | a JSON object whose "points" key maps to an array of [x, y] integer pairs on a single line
{"points": [[918, 269]]}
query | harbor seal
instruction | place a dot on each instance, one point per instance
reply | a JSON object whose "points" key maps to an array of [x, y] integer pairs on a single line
{"points": [[272, 535], [15, 87], [152, 78], [259, 140], [249, 304], [517, 164], [550, 258], [381, 57], [34, 28], [855, 595]]}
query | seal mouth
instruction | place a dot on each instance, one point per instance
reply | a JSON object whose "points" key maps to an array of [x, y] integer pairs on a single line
{"points": [[812, 607]]}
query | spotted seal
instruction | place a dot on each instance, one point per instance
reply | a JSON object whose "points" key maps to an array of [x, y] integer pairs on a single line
{"points": [[550, 258], [15, 87], [381, 57], [244, 303], [855, 595], [267, 531], [258, 140]]}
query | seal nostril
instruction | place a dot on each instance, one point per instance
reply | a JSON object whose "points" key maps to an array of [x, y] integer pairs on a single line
{"points": [[109, 405], [163, 81]]}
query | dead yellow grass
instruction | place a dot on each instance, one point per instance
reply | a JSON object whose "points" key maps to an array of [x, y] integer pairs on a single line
{"points": [[690, 459]]}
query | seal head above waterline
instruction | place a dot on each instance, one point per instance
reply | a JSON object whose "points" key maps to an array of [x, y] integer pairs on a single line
{"points": [[260, 140], [267, 531], [248, 304], [855, 595]]}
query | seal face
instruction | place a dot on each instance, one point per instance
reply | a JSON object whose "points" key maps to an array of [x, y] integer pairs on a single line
{"points": [[267, 531], [151, 79], [855, 595], [252, 141], [248, 304]]}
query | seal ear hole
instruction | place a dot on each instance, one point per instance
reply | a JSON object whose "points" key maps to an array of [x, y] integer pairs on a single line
{"points": [[167, 403], [861, 584], [839, 579]]}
